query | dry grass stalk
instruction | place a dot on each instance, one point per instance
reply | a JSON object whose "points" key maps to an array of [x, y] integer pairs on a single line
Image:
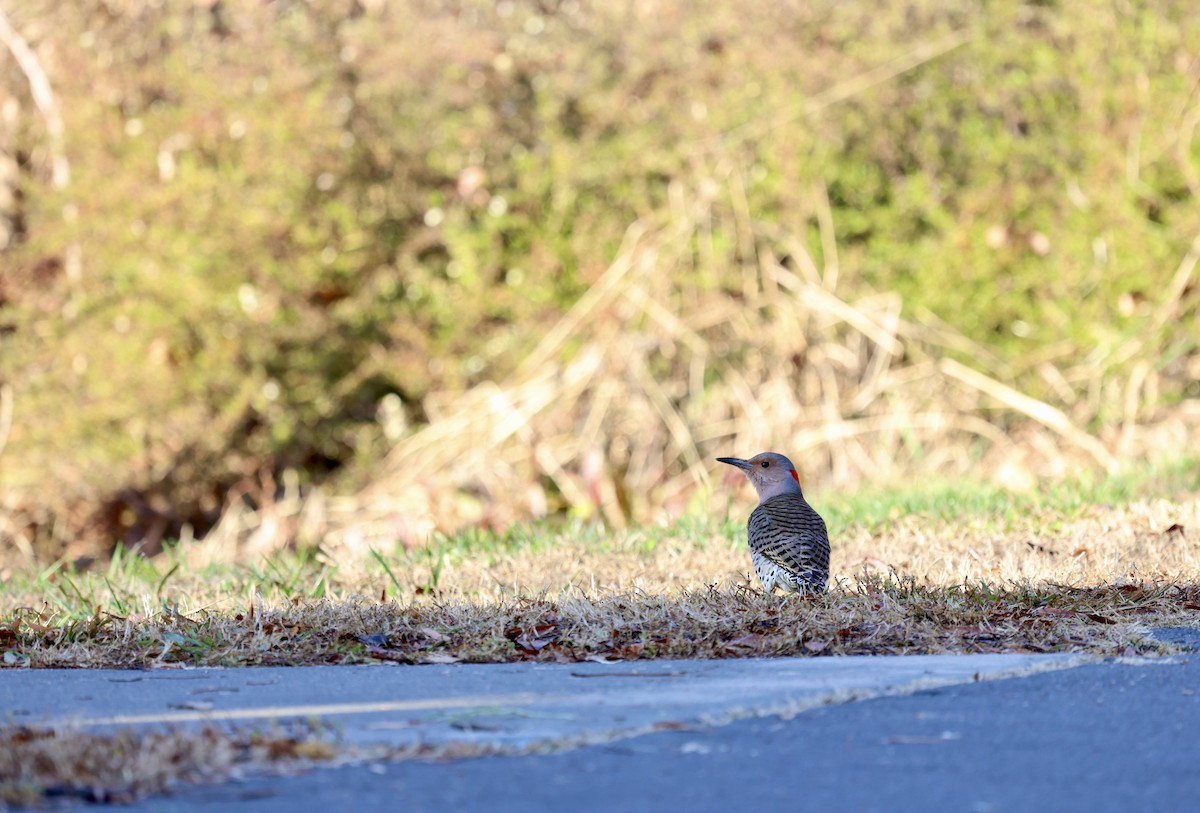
{"points": [[1040, 411]]}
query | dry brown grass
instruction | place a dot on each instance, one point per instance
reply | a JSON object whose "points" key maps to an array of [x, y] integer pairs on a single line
{"points": [[38, 764], [1105, 545], [1095, 582]]}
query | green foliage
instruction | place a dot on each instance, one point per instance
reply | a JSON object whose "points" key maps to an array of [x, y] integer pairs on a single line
{"points": [[286, 212]]}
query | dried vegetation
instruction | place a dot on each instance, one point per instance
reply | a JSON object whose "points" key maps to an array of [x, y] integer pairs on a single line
{"points": [[618, 410], [39, 765], [583, 249], [1094, 581]]}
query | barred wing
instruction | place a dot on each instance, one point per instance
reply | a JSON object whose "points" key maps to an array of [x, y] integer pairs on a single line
{"points": [[787, 531]]}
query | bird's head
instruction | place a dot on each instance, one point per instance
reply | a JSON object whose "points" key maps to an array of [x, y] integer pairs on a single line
{"points": [[771, 474]]}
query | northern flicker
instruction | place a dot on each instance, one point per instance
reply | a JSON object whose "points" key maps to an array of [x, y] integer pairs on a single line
{"points": [[788, 541]]}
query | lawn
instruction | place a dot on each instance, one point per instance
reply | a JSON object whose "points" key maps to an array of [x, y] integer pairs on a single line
{"points": [[1085, 566]]}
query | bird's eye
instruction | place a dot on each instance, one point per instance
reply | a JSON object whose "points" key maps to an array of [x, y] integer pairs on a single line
{"points": [[766, 464]]}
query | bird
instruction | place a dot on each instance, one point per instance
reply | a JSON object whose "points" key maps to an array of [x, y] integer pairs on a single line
{"points": [[789, 543]]}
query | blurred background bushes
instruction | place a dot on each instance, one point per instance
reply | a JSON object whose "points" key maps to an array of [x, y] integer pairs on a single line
{"points": [[287, 223]]}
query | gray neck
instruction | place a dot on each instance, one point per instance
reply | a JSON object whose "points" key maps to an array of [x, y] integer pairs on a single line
{"points": [[768, 490]]}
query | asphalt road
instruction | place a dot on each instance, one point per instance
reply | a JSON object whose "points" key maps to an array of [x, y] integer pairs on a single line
{"points": [[822, 734], [1104, 737]]}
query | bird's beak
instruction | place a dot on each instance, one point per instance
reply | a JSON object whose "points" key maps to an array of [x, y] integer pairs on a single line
{"points": [[744, 465]]}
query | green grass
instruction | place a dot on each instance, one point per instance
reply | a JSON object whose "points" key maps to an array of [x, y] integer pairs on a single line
{"points": [[947, 502]]}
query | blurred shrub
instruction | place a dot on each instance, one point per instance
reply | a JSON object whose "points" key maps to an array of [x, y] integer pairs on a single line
{"points": [[283, 213]]}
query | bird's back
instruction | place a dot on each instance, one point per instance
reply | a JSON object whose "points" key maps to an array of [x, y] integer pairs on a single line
{"points": [[786, 532]]}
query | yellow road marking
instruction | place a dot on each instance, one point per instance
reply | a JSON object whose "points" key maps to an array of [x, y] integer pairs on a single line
{"points": [[312, 710]]}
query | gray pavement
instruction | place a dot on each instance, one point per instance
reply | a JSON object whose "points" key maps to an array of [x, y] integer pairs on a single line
{"points": [[1101, 737], [1107, 736], [972, 733], [506, 705]]}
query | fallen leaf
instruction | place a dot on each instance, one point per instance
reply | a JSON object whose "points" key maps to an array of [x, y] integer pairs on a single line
{"points": [[380, 653], [27, 734], [744, 643], [314, 749], [532, 640], [629, 652], [440, 657], [1174, 528]]}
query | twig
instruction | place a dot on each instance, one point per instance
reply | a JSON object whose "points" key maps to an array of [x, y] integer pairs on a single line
{"points": [[1040, 411], [43, 97], [675, 423], [1179, 285], [1167, 309], [6, 414], [922, 54], [822, 301], [604, 289], [829, 250]]}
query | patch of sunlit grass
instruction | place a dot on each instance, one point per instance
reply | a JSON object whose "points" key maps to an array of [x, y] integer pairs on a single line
{"points": [[1028, 577]]}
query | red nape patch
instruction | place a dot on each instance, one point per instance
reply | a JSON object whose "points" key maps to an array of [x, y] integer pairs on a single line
{"points": [[795, 476]]}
